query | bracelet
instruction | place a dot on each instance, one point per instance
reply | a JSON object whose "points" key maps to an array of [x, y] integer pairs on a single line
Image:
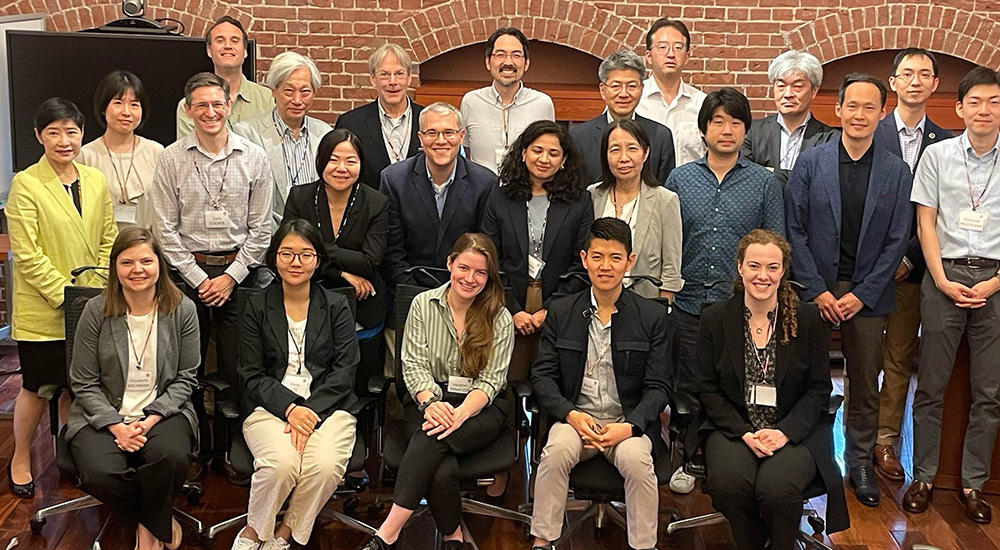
{"points": [[290, 410]]}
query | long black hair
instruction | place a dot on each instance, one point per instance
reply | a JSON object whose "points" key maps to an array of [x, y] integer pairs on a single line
{"points": [[568, 183]]}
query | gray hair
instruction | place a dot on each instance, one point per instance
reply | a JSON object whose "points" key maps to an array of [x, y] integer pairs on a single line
{"points": [[442, 108], [622, 60], [286, 63], [378, 56], [795, 61]]}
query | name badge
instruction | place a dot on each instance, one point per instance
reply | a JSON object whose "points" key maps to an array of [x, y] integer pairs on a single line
{"points": [[535, 267], [459, 384], [766, 396], [125, 213], [590, 387], [216, 219], [972, 220], [498, 155], [297, 383], [139, 381]]}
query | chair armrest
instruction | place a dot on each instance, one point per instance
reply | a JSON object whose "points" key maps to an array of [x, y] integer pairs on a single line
{"points": [[213, 381], [522, 417], [228, 410], [378, 386], [836, 401]]}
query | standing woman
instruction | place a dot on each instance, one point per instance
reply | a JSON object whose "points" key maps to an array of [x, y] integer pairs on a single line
{"points": [[629, 191], [59, 217], [126, 159], [132, 428], [353, 220]]}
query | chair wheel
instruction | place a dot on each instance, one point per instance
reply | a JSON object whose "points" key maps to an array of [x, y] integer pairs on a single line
{"points": [[351, 505], [526, 533], [36, 525], [194, 498], [817, 524]]}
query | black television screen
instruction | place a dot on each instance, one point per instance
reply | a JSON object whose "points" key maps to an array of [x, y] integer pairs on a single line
{"points": [[69, 65]]}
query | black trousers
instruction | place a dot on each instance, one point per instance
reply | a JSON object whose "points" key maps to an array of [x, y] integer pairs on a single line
{"points": [[430, 467], [139, 487], [761, 497]]}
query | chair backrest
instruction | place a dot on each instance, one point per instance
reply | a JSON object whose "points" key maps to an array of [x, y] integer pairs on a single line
{"points": [[74, 300]]}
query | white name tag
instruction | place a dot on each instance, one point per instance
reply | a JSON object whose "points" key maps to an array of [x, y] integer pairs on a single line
{"points": [[459, 384], [297, 383], [216, 219], [535, 267], [766, 396], [498, 155], [125, 213], [972, 220], [590, 387], [139, 381]]}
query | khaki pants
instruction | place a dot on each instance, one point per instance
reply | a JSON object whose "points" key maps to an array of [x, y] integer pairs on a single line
{"points": [[900, 349], [278, 469]]}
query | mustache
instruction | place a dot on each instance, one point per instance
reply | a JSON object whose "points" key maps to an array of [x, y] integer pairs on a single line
{"points": [[506, 67]]}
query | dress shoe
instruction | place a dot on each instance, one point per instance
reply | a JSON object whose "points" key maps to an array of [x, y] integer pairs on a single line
{"points": [[862, 479], [20, 490], [917, 497], [976, 507], [453, 545], [376, 543], [887, 464]]}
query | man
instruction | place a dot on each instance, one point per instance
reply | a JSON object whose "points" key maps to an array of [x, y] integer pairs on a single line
{"points": [[226, 43], [776, 141], [602, 398], [621, 76], [666, 98], [386, 126], [723, 197], [955, 189], [906, 134], [497, 114], [848, 218]]}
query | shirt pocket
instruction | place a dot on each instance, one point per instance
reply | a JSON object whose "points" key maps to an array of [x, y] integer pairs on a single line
{"points": [[636, 354]]}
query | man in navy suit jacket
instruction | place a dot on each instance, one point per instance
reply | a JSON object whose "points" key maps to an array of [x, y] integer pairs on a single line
{"points": [[848, 213]]}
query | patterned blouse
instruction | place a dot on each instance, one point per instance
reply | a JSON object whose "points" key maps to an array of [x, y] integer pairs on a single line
{"points": [[759, 364]]}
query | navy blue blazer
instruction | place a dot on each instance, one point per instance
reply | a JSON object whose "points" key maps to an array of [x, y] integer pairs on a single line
{"points": [[417, 236], [813, 218], [587, 137]]}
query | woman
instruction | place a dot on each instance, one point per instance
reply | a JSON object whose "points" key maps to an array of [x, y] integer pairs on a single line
{"points": [[456, 348], [59, 217], [628, 191], [352, 219], [298, 356], [127, 160], [132, 427], [764, 385]]}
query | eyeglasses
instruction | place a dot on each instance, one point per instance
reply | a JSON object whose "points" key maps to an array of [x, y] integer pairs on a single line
{"points": [[386, 76], [448, 134], [677, 47], [616, 87], [926, 76], [515, 55], [203, 106], [286, 256]]}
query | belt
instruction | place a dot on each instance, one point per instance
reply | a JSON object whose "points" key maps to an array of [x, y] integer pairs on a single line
{"points": [[974, 263], [214, 259]]}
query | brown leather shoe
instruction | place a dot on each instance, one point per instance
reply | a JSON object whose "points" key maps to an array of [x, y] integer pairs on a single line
{"points": [[887, 464], [917, 497], [976, 507]]}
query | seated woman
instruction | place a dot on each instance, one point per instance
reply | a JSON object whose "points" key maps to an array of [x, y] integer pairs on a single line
{"points": [[297, 359], [456, 348], [353, 220], [764, 386], [132, 428], [629, 191]]}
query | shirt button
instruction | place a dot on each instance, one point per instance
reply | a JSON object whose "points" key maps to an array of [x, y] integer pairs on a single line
{"points": [[713, 248], [711, 267], [715, 229]]}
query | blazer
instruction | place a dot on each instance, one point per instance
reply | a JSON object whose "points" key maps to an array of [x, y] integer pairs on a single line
{"points": [[762, 143], [417, 236], [802, 379], [657, 241], [506, 223], [262, 131], [587, 137], [639, 351], [48, 238], [99, 367], [887, 136], [359, 247], [364, 122], [331, 354], [813, 217]]}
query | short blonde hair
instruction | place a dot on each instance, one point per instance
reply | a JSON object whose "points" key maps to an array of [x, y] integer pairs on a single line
{"points": [[378, 56]]}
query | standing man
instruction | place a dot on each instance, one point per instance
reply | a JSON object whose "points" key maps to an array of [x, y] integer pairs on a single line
{"points": [[848, 216], [776, 141], [906, 134], [666, 98], [497, 114], [226, 43], [955, 188], [621, 86], [387, 127]]}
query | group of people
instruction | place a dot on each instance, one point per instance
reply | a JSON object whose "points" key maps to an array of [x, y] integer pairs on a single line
{"points": [[670, 195]]}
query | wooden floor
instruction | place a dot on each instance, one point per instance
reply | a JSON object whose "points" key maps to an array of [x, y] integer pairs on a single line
{"points": [[882, 528]]}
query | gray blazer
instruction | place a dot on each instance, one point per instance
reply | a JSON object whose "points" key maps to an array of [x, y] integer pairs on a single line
{"points": [[100, 362], [657, 238]]}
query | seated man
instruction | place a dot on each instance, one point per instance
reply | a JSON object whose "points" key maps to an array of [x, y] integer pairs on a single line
{"points": [[606, 389]]}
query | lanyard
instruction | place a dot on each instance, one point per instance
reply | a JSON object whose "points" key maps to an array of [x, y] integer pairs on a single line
{"points": [[397, 130], [300, 149], [299, 345], [347, 209], [536, 246], [203, 178], [968, 178], [124, 198], [761, 358], [139, 354], [631, 213]]}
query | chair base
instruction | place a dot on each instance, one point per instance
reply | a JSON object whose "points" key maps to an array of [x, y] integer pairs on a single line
{"points": [[809, 541], [40, 517]]}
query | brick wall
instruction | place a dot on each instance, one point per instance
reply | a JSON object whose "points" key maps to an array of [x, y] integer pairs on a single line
{"points": [[732, 40]]}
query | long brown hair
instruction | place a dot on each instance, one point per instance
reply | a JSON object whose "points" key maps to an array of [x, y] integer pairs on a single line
{"points": [[168, 296], [477, 346], [788, 300]]}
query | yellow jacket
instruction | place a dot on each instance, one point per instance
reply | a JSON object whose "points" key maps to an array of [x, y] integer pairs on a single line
{"points": [[48, 238]]}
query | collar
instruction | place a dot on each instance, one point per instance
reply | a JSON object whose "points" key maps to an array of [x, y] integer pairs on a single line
{"points": [[438, 294], [233, 143], [383, 114], [607, 113], [243, 86], [495, 95], [650, 88], [845, 158], [742, 162], [284, 129], [967, 146], [784, 127], [451, 177], [901, 127]]}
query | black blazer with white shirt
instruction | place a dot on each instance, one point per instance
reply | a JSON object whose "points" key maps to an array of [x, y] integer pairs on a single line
{"points": [[587, 137], [762, 143], [364, 122]]}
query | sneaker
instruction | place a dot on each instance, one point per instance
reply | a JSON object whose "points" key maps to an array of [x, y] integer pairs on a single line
{"points": [[277, 543], [681, 483], [241, 543]]}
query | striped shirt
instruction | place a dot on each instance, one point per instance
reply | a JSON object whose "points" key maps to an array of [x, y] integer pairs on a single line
{"points": [[430, 347]]}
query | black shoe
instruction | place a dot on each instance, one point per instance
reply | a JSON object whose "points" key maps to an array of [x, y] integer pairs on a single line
{"points": [[862, 479], [376, 543], [453, 545], [20, 490]]}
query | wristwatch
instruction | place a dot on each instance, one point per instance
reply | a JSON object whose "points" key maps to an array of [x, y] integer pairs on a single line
{"points": [[423, 406]]}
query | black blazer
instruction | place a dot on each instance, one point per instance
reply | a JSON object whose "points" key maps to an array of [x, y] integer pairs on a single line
{"points": [[587, 137], [506, 223], [416, 235], [640, 348], [364, 122], [887, 137], [358, 249], [331, 353], [762, 143], [802, 377]]}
